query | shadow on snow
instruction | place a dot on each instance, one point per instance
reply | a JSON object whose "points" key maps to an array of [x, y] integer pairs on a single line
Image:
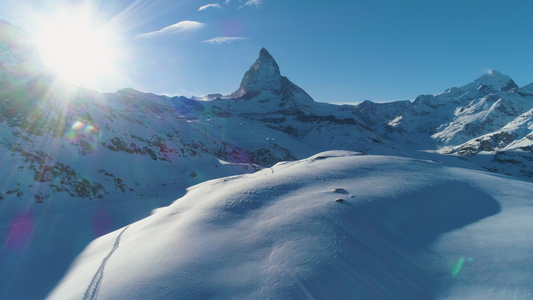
{"points": [[385, 251]]}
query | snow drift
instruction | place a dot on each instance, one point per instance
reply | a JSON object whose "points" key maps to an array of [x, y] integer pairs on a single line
{"points": [[337, 225]]}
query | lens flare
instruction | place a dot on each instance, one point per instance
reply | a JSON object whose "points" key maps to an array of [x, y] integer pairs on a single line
{"points": [[20, 231], [460, 264], [85, 136], [82, 129]]}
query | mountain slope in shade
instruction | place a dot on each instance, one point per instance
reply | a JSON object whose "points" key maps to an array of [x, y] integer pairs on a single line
{"points": [[337, 225]]}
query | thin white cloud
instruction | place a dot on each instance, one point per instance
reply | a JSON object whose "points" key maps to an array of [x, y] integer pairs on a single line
{"points": [[182, 26], [253, 2], [212, 5], [257, 3], [224, 39]]}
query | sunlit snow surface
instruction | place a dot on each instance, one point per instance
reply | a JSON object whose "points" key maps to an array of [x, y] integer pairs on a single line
{"points": [[405, 229]]}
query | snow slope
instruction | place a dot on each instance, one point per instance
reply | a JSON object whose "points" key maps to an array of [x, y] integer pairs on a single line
{"points": [[404, 229]]}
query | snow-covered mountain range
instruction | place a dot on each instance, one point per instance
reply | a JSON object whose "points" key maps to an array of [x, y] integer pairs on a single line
{"points": [[104, 160]]}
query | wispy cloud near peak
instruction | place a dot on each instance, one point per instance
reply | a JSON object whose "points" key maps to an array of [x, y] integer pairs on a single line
{"points": [[224, 39], [182, 26], [255, 3], [212, 5]]}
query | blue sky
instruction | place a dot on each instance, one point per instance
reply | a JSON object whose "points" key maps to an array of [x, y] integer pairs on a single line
{"points": [[338, 51]]}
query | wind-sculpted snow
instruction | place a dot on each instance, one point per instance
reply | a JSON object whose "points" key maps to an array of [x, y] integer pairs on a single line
{"points": [[405, 229]]}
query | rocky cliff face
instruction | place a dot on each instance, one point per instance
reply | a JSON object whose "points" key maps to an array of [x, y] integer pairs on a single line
{"points": [[264, 77], [264, 74]]}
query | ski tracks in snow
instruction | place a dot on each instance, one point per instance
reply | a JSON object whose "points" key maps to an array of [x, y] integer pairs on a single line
{"points": [[92, 289]]}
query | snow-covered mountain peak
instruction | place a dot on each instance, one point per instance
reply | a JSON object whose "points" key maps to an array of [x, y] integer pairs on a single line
{"points": [[492, 79], [266, 61], [264, 82], [264, 74]]}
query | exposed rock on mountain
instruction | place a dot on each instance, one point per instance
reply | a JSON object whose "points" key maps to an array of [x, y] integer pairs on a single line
{"points": [[264, 76]]}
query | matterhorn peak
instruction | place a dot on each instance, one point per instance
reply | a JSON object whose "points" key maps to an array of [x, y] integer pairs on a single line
{"points": [[266, 60], [263, 75]]}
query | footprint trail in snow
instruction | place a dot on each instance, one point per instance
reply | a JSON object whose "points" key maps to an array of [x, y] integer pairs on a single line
{"points": [[92, 289]]}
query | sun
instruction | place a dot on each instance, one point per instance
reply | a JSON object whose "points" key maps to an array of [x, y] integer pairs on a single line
{"points": [[77, 47]]}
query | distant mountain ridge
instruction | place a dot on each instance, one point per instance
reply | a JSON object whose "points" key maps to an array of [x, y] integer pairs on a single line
{"points": [[282, 123]]}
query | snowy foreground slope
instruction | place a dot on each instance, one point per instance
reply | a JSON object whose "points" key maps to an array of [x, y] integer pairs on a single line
{"points": [[405, 229]]}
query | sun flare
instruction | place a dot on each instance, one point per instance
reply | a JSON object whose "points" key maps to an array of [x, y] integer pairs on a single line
{"points": [[77, 48]]}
